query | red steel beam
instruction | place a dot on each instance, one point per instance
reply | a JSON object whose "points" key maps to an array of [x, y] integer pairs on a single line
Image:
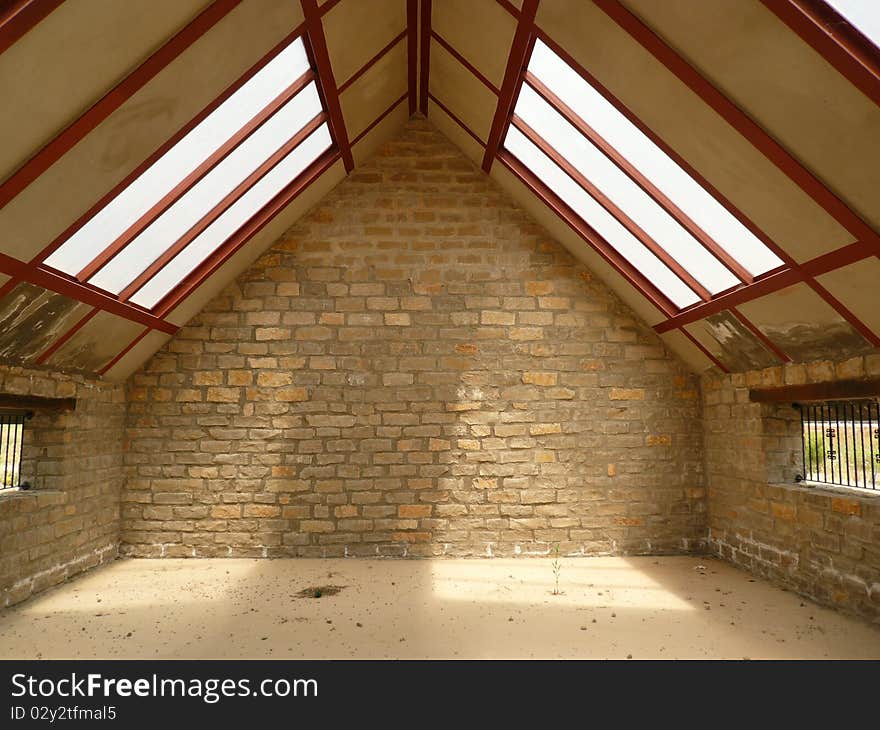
{"points": [[628, 223], [425, 50], [766, 341], [835, 39], [224, 150], [639, 179], [516, 63], [20, 17], [769, 284], [53, 348], [371, 125], [738, 119], [61, 284], [509, 7], [837, 259], [412, 54], [458, 121], [870, 240], [221, 207], [464, 62], [845, 312], [369, 64], [247, 231], [621, 264], [327, 83], [329, 5], [667, 150], [113, 99], [746, 293], [125, 351], [699, 345], [169, 143]]}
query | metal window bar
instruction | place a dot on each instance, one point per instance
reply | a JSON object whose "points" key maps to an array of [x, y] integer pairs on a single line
{"points": [[12, 432], [840, 443]]}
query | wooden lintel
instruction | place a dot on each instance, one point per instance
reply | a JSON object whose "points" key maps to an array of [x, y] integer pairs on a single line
{"points": [[836, 390], [35, 403]]}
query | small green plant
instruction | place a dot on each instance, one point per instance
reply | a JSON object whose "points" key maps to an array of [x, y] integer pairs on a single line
{"points": [[557, 569]]}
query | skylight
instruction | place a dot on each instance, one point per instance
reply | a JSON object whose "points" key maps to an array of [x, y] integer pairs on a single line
{"points": [[540, 116], [236, 215], [863, 14], [187, 203], [599, 219]]}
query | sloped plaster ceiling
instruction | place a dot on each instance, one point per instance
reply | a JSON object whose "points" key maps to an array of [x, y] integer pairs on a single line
{"points": [[740, 47]]}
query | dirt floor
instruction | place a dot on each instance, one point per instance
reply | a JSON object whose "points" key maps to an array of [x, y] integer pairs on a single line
{"points": [[617, 608]]}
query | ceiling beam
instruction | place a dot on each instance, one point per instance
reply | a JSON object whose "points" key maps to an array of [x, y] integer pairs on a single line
{"points": [[220, 207], [509, 7], [702, 348], [327, 86], [835, 39], [612, 208], [661, 143], [369, 64], [125, 350], [767, 342], [113, 99], [211, 161], [60, 284], [59, 341], [517, 60], [739, 120], [20, 17], [247, 231], [762, 141], [425, 50], [458, 121], [617, 261], [634, 174], [412, 53], [844, 312], [167, 145], [464, 62], [712, 304], [775, 281], [369, 128], [746, 293]]}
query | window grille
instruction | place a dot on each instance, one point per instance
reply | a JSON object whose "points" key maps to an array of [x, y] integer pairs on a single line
{"points": [[11, 446], [841, 443]]}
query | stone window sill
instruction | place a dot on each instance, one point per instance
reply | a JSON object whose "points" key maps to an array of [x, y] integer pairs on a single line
{"points": [[832, 490], [41, 496]]}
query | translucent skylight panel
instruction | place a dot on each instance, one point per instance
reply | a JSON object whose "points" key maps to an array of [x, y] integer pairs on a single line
{"points": [[211, 189], [178, 162], [237, 215], [652, 162], [601, 220], [621, 190], [863, 14]]}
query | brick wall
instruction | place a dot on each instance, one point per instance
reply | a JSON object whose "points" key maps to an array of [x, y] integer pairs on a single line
{"points": [[69, 520], [823, 543], [414, 369]]}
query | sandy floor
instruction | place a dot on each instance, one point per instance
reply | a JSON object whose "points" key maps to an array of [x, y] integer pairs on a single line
{"points": [[671, 607]]}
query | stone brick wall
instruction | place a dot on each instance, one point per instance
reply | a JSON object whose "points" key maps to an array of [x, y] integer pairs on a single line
{"points": [[822, 542], [414, 369], [69, 520]]}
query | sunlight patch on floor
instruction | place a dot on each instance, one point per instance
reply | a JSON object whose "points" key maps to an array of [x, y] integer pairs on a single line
{"points": [[610, 608], [597, 582]]}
